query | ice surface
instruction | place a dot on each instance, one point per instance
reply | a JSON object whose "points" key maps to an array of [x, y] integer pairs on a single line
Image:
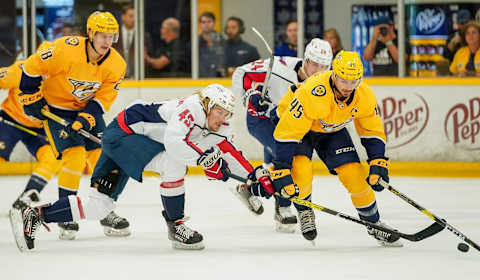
{"points": [[242, 246]]}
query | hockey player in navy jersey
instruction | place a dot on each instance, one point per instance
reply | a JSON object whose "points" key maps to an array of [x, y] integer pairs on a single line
{"points": [[261, 117], [163, 137]]}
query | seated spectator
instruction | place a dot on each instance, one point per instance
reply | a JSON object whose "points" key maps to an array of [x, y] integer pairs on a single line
{"points": [[454, 39], [288, 48], [332, 37], [382, 49], [210, 48], [169, 59], [237, 51], [466, 61]]}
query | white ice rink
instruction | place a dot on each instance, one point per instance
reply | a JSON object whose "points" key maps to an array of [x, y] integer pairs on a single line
{"points": [[242, 246]]}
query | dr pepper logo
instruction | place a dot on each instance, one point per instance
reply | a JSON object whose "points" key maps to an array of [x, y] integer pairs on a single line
{"points": [[404, 118], [462, 124]]}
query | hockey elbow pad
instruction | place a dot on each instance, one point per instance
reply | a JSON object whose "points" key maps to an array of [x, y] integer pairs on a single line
{"points": [[33, 104]]}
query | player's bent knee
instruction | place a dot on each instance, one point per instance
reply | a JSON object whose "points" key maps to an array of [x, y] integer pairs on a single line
{"points": [[352, 175], [302, 175], [48, 165], [98, 206]]}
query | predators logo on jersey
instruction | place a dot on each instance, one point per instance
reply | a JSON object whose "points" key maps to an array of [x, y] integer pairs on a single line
{"points": [[84, 90]]}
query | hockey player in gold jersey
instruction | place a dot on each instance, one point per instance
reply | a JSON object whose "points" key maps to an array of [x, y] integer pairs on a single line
{"points": [[13, 119], [82, 79], [313, 117]]}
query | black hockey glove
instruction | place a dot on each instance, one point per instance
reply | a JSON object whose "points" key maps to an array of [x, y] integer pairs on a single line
{"points": [[378, 169], [108, 183], [283, 182], [214, 165], [257, 106], [260, 182]]}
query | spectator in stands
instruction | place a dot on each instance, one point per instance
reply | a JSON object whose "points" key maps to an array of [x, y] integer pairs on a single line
{"points": [[466, 61], [125, 45], [454, 40], [288, 48], [67, 30], [382, 49], [169, 59], [237, 51], [332, 37], [210, 48]]}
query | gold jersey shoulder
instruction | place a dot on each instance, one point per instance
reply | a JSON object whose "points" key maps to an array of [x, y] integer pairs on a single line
{"points": [[71, 79], [313, 106], [10, 80]]}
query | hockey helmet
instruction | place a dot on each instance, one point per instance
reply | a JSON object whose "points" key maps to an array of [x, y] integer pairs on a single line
{"points": [[319, 51], [103, 22], [216, 94], [347, 65]]}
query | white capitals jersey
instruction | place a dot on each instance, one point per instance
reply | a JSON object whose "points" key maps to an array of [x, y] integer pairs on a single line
{"points": [[180, 125], [284, 74]]}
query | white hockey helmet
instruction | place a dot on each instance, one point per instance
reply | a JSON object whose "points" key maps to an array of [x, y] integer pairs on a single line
{"points": [[216, 94], [319, 51]]}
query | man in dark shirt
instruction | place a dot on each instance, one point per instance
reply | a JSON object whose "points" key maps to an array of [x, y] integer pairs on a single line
{"points": [[237, 51], [382, 49], [169, 59]]}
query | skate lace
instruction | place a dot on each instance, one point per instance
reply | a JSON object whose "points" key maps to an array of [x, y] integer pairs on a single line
{"points": [[183, 230], [113, 218], [307, 220], [31, 229]]}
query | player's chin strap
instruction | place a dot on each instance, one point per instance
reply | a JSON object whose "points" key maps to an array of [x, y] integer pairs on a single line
{"points": [[90, 41], [429, 214], [392, 234]]}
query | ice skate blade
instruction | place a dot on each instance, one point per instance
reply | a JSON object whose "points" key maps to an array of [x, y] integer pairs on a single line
{"points": [[396, 244], [67, 234], [16, 223], [285, 228], [111, 232], [183, 246]]}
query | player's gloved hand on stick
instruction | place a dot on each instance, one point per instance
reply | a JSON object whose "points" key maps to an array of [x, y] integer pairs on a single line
{"points": [[214, 165], [283, 182], [257, 106], [378, 169], [33, 104], [260, 182], [84, 121]]}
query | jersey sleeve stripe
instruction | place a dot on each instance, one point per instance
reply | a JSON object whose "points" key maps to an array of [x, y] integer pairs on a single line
{"points": [[190, 143], [227, 147], [122, 124]]}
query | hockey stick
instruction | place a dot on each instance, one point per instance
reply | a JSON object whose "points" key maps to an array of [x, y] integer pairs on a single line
{"points": [[24, 129], [63, 122], [270, 64], [391, 234], [432, 216]]}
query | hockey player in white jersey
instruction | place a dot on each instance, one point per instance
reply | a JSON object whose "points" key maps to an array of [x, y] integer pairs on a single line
{"points": [[248, 81], [163, 137]]}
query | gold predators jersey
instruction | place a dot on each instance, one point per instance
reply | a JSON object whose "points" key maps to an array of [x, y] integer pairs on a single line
{"points": [[71, 78], [10, 80], [314, 107]]}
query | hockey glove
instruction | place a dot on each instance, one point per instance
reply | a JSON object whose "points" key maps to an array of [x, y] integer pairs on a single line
{"points": [[85, 121], [378, 169], [260, 182], [215, 167], [257, 106], [283, 182], [108, 183], [33, 104]]}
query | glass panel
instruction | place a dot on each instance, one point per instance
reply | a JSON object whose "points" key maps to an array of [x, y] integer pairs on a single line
{"points": [[167, 36], [374, 37], [436, 32], [9, 39]]}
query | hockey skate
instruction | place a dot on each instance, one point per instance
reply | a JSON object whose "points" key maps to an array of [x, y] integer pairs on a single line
{"points": [[24, 225], [285, 220], [252, 202], [307, 224], [114, 225], [68, 230], [183, 237], [381, 236], [26, 198]]}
